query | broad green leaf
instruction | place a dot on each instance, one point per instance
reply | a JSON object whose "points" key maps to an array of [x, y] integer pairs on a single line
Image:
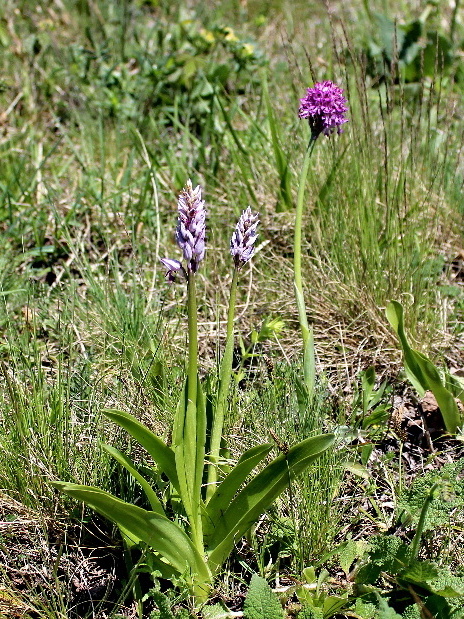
{"points": [[435, 579], [261, 602], [444, 398], [368, 383], [227, 489], [189, 437], [159, 533], [455, 384], [422, 372], [220, 403], [394, 314], [391, 36], [127, 463], [158, 450], [332, 604], [260, 493], [420, 572]]}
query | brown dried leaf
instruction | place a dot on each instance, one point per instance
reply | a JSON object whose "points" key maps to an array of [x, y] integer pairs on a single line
{"points": [[429, 403]]}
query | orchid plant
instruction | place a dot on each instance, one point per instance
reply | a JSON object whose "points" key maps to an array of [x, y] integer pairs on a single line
{"points": [[324, 106], [212, 506]]}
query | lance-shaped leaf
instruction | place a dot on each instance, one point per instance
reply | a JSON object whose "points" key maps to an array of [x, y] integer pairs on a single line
{"points": [[159, 533], [188, 438], [260, 493], [231, 484], [422, 372], [127, 463], [394, 312], [158, 450]]}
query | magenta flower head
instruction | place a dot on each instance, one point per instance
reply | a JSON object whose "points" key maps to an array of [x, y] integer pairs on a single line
{"points": [[324, 106], [191, 226], [242, 242]]}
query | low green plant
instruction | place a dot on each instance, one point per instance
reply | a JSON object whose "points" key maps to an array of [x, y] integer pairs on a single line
{"points": [[388, 569], [411, 50], [261, 601], [425, 376], [191, 531], [315, 602], [269, 330]]}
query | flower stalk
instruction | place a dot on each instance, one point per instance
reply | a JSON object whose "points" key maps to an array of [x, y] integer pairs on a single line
{"points": [[309, 370], [242, 248], [324, 107]]}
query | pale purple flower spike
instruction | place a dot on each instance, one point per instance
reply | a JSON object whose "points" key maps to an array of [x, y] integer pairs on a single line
{"points": [[324, 106], [244, 236], [190, 233], [191, 226]]}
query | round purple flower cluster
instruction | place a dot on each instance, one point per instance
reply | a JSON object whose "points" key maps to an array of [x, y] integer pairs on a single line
{"points": [[324, 106]]}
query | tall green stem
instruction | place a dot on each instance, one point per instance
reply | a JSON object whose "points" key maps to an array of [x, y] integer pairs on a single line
{"points": [[192, 370], [306, 331], [225, 374], [194, 430]]}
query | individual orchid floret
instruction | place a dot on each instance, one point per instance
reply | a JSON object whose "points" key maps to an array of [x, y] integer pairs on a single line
{"points": [[191, 226], [324, 106], [173, 268], [242, 242]]}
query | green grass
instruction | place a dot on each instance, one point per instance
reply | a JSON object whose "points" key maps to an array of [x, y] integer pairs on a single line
{"points": [[105, 110]]}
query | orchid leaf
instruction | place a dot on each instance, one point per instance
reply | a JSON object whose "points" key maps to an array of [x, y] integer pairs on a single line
{"points": [[413, 371], [127, 463], [159, 533], [422, 372], [159, 451], [260, 493], [189, 437], [227, 489]]}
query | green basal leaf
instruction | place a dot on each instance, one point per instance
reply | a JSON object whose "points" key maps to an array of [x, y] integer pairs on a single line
{"points": [[158, 450], [189, 437], [422, 372], [261, 601], [127, 463], [227, 489], [260, 493], [159, 533], [394, 312], [444, 398]]}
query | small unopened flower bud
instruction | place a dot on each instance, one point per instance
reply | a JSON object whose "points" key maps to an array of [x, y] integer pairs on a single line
{"points": [[242, 242], [191, 226]]}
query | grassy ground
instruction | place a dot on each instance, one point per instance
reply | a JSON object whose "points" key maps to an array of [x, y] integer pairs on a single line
{"points": [[106, 108]]}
